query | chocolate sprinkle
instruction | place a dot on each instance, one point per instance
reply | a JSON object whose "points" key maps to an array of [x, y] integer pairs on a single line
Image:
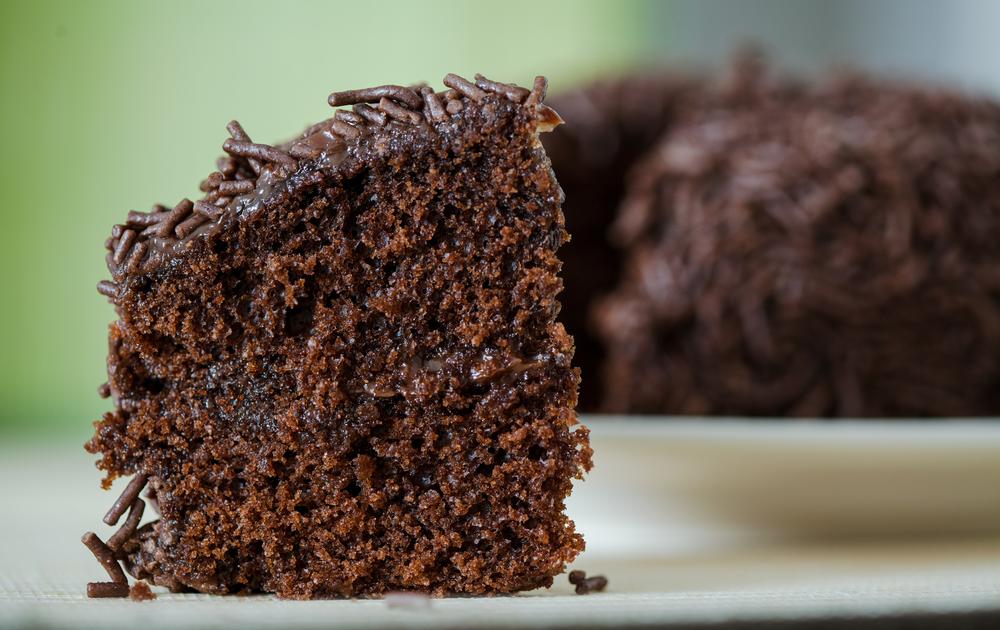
{"points": [[227, 165], [376, 94], [211, 182], [513, 92], [125, 243], [399, 113], [434, 106], [347, 116], [234, 187], [107, 589], [538, 91], [370, 114], [143, 219], [344, 129], [124, 501], [221, 201], [104, 390], [107, 288], [209, 210], [304, 151], [262, 152], [190, 224], [178, 214], [128, 528], [135, 258], [464, 86], [236, 130], [105, 556], [586, 585]]}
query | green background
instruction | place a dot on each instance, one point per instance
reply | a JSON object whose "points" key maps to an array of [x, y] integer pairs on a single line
{"points": [[110, 106]]}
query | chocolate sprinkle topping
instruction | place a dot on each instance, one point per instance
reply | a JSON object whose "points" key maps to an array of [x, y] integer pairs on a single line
{"points": [[399, 113], [538, 91], [233, 187], [128, 528], [143, 219], [370, 114], [434, 106], [124, 501], [124, 245], [586, 585], [236, 183], [376, 94], [464, 86], [346, 129], [107, 589], [235, 130], [211, 182], [210, 210], [346, 116], [513, 92], [261, 152], [178, 214], [105, 556], [107, 288], [189, 225], [135, 258]]}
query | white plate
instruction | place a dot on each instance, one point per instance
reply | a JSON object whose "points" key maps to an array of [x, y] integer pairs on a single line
{"points": [[677, 486]]}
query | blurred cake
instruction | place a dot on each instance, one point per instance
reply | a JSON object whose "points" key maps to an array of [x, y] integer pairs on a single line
{"points": [[339, 373], [786, 248], [615, 121]]}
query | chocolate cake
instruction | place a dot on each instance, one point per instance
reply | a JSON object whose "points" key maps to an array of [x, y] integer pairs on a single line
{"points": [[796, 248], [611, 124], [339, 373]]}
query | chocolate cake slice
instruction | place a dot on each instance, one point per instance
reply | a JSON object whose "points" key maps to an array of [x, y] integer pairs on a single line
{"points": [[339, 373]]}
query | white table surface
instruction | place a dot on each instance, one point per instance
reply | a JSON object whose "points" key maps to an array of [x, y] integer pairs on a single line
{"points": [[689, 521]]}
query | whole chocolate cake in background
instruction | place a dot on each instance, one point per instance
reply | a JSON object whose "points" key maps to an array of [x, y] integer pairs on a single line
{"points": [[615, 121], [785, 247], [339, 373]]}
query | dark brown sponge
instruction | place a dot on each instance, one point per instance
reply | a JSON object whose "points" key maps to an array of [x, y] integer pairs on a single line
{"points": [[341, 369], [810, 249]]}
